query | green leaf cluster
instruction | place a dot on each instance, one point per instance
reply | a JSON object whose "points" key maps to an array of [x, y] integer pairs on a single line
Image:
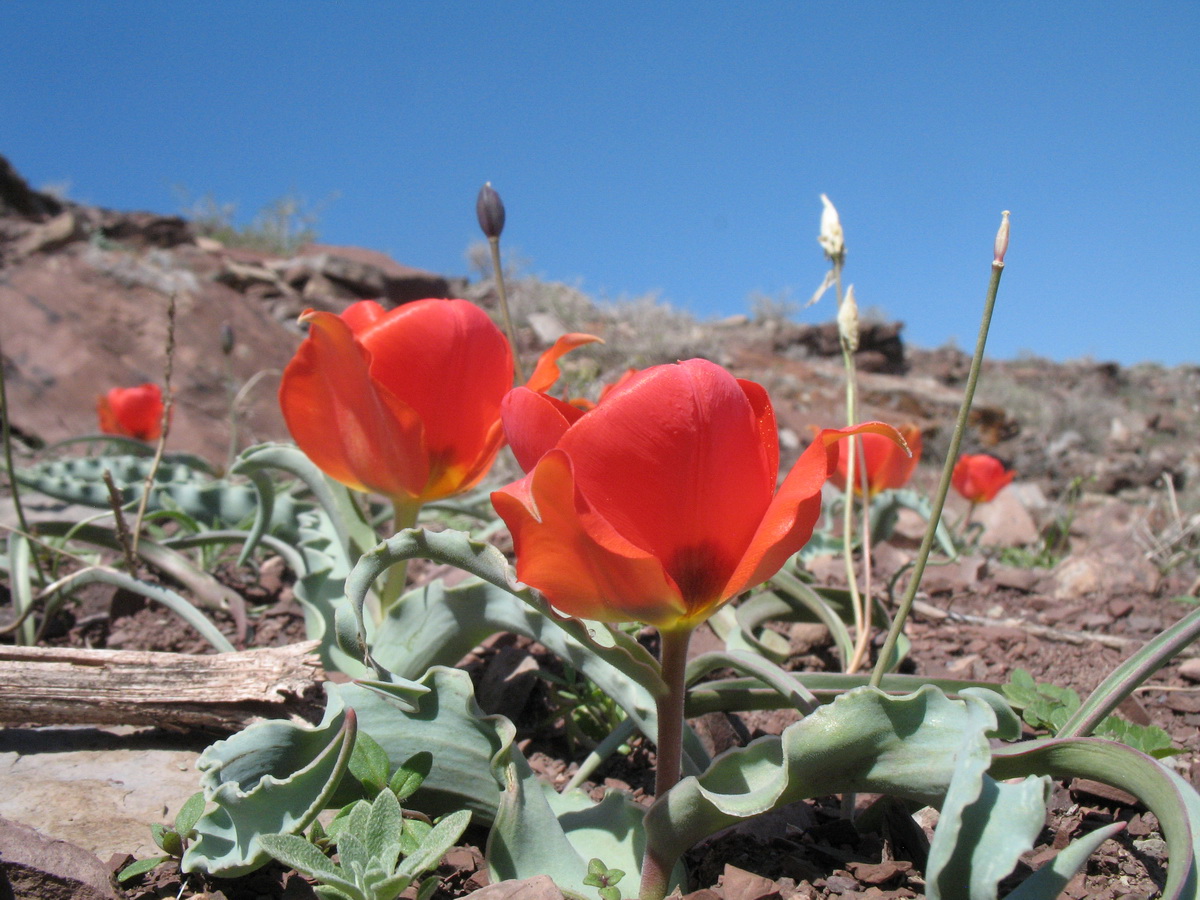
{"points": [[605, 879], [173, 840], [380, 851], [1048, 707]]}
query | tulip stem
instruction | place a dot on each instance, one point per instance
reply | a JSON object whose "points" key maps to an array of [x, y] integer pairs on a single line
{"points": [[164, 426], [406, 513], [494, 245], [231, 396], [939, 501], [656, 870], [6, 425], [861, 621]]}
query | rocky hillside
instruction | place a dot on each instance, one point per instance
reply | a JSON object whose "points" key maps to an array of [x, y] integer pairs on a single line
{"points": [[85, 298]]}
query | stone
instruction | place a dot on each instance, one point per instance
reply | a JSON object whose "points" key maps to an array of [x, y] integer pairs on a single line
{"points": [[547, 327], [955, 577], [1006, 522], [1115, 568], [98, 789], [370, 274], [83, 320], [880, 347], [738, 884], [881, 872], [507, 682], [144, 229], [60, 230], [540, 887], [1190, 669], [1119, 608], [324, 293], [1014, 577], [805, 637], [33, 865], [17, 198], [1101, 791], [718, 732]]}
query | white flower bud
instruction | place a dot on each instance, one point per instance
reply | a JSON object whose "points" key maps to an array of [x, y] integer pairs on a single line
{"points": [[1001, 240], [831, 239], [847, 319]]}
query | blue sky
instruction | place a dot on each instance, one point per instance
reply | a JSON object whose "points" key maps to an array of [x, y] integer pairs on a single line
{"points": [[676, 147]]}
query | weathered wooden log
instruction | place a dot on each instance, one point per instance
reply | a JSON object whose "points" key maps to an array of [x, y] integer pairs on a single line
{"points": [[176, 691]]}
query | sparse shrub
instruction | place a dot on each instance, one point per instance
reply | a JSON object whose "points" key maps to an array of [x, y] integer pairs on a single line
{"points": [[281, 227]]}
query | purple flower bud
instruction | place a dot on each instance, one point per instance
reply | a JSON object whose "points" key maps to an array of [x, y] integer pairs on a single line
{"points": [[489, 208]]}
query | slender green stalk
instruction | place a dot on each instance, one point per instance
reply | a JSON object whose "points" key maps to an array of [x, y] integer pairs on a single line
{"points": [[10, 469], [494, 245], [939, 501], [656, 870], [165, 429], [852, 444], [864, 637], [397, 576], [231, 394]]}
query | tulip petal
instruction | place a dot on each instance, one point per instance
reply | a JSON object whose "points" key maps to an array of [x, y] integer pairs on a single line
{"points": [[362, 315], [553, 533], [450, 363], [675, 461], [980, 477], [357, 432], [888, 465], [134, 412], [793, 513], [899, 466], [546, 372], [107, 415], [534, 423]]}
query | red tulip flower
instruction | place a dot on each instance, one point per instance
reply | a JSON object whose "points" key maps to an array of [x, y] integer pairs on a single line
{"points": [[405, 402], [660, 504], [980, 477], [888, 466], [135, 412]]}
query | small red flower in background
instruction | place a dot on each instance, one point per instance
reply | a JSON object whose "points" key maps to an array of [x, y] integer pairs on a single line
{"points": [[888, 466], [135, 412], [405, 402], [660, 504], [979, 477]]}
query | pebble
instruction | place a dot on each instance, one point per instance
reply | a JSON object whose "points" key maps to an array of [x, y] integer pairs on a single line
{"points": [[1119, 608], [1190, 669]]}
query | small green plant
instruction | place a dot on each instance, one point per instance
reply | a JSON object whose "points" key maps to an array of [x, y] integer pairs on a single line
{"points": [[605, 879], [381, 852], [173, 841], [588, 713], [1048, 707], [1054, 540]]}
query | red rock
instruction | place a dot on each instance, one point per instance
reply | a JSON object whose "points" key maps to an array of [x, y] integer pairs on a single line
{"points": [[33, 865], [738, 884]]}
